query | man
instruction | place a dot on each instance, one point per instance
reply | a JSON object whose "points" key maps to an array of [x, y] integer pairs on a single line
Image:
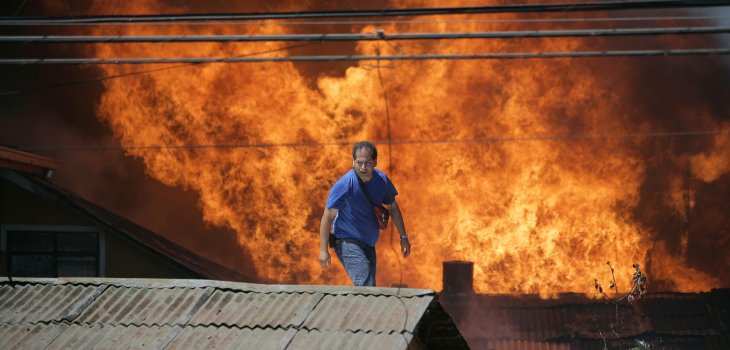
{"points": [[349, 216]]}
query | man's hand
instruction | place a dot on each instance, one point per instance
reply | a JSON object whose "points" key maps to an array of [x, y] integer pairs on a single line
{"points": [[405, 246], [325, 227], [324, 258]]}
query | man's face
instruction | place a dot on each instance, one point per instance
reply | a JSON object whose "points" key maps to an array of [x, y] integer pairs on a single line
{"points": [[364, 164]]}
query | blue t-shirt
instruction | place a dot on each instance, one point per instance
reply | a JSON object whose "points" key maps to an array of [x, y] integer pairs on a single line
{"points": [[355, 216]]}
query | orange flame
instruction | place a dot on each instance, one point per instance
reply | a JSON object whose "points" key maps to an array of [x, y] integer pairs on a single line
{"points": [[535, 215]]}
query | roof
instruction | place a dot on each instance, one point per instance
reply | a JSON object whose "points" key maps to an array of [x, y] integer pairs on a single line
{"points": [[57, 195], [677, 320], [11, 158], [182, 314]]}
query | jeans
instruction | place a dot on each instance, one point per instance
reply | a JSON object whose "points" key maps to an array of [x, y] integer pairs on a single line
{"points": [[358, 259]]}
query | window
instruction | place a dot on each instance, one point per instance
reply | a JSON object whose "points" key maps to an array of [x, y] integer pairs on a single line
{"points": [[43, 251]]}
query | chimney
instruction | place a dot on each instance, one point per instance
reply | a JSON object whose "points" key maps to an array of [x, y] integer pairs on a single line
{"points": [[458, 277]]}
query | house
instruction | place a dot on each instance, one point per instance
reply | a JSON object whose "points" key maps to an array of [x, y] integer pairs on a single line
{"points": [[118, 285], [82, 313], [659, 320], [48, 231]]}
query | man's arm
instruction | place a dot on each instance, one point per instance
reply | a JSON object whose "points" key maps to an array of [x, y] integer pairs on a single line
{"points": [[405, 245], [325, 227]]}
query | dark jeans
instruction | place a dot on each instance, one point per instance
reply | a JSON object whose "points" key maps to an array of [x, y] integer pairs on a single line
{"points": [[358, 259]]}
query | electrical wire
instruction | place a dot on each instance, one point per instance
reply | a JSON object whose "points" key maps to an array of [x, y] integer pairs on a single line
{"points": [[331, 58], [378, 35], [515, 8], [539, 138], [138, 72], [445, 21]]}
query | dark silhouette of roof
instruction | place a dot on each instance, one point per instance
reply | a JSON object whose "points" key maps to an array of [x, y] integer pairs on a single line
{"points": [[576, 321]]}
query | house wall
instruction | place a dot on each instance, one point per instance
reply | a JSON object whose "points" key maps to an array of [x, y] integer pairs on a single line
{"points": [[122, 257]]}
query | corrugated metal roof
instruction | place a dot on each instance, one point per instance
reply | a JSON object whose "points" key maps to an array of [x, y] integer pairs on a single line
{"points": [[546, 323], [144, 306], [183, 314], [349, 340], [101, 336], [673, 304], [232, 338], [373, 313], [675, 319], [684, 325], [28, 335], [36, 303], [718, 300], [256, 309], [508, 344]]}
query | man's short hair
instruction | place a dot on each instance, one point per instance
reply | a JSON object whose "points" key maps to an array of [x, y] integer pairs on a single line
{"points": [[367, 145]]}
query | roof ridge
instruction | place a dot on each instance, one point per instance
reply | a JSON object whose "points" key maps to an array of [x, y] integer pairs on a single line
{"points": [[223, 286]]}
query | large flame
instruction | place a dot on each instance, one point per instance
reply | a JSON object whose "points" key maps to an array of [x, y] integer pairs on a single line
{"points": [[478, 155]]}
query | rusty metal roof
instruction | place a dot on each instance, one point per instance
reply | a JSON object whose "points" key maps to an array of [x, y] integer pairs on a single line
{"points": [[673, 320], [502, 344], [184, 314]]}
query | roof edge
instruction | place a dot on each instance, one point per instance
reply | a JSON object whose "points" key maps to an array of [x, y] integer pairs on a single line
{"points": [[239, 286], [12, 158]]}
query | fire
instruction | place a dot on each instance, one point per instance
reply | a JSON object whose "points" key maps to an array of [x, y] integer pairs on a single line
{"points": [[477, 180]]}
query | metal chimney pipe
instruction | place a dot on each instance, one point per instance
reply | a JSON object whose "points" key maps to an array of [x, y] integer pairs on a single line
{"points": [[458, 277]]}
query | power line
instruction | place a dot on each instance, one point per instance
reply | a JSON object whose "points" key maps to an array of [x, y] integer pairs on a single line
{"points": [[356, 22], [518, 8], [330, 58], [191, 147], [138, 72], [379, 35]]}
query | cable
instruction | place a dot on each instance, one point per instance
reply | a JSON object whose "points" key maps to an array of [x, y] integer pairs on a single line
{"points": [[518, 8], [330, 58], [579, 137], [56, 39], [124, 75], [355, 22]]}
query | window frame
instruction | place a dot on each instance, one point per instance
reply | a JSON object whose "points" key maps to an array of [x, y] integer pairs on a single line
{"points": [[56, 253]]}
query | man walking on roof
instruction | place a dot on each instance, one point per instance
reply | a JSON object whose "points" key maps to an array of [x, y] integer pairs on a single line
{"points": [[350, 218]]}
